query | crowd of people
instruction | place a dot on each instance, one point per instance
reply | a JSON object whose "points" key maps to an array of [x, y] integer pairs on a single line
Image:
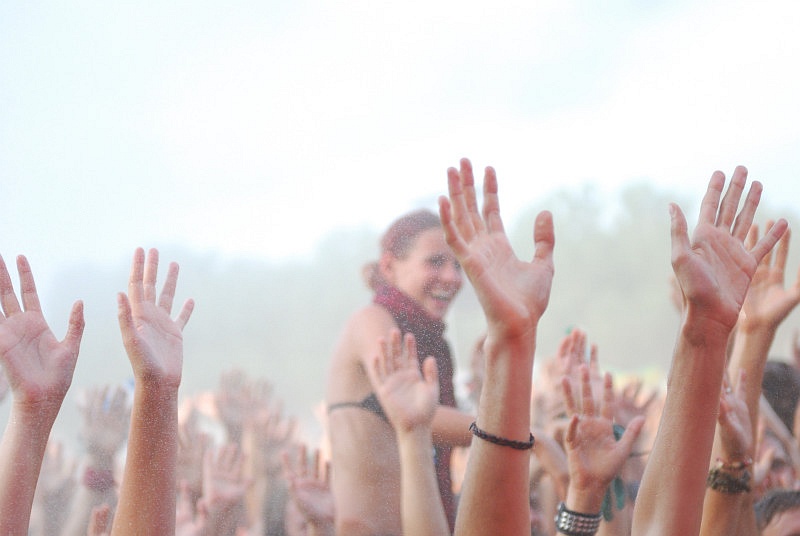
{"points": [[574, 452]]}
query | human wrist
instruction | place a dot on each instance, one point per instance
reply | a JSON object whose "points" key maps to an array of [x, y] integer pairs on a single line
{"points": [[587, 499], [41, 414], [420, 434], [153, 389], [500, 342], [699, 330]]}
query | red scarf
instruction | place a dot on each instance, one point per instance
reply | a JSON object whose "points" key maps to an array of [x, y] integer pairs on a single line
{"points": [[411, 318]]}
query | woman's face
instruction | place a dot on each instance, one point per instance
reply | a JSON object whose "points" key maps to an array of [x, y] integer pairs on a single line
{"points": [[429, 274]]}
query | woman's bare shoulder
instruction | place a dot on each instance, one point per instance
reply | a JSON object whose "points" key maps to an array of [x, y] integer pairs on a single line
{"points": [[363, 330], [371, 321]]}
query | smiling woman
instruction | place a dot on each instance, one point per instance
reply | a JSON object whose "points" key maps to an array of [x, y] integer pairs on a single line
{"points": [[415, 280]]}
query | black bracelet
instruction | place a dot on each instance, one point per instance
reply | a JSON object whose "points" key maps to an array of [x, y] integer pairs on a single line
{"points": [[724, 482], [575, 523], [502, 441]]}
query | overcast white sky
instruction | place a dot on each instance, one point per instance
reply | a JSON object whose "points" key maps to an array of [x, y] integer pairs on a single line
{"points": [[253, 128]]}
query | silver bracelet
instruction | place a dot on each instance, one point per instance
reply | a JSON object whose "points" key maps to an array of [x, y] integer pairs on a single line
{"points": [[575, 523]]}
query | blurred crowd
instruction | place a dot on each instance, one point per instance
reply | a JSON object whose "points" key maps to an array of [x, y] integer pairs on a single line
{"points": [[573, 450]]}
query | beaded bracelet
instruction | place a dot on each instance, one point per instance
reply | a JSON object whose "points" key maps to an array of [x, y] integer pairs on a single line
{"points": [[502, 441], [575, 523]]}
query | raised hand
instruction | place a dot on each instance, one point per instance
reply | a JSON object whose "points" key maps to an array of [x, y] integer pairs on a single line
{"points": [[310, 487], [631, 402], [767, 302], [104, 426], [223, 482], [714, 268], [154, 344], [594, 456], [153, 340], [37, 366], [239, 400], [187, 521], [408, 397], [513, 293], [39, 370]]}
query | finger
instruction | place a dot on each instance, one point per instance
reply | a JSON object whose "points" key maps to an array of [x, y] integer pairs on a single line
{"points": [[569, 397], [491, 202], [286, 461], [8, 298], [318, 468], [730, 201], [458, 201], [769, 240], [470, 196], [150, 275], [411, 360], [170, 284], [430, 373], [781, 254], [710, 203], [393, 357], [572, 429], [563, 347], [135, 289], [125, 317], [544, 238], [587, 396], [767, 260], [594, 361], [185, 314], [451, 233], [745, 218], [580, 346], [631, 434], [608, 407], [30, 299], [679, 235], [75, 328]]}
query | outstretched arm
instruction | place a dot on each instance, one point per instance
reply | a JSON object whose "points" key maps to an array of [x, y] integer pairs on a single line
{"points": [[154, 344], [310, 489], [514, 295], [409, 400], [39, 370], [728, 505], [594, 455], [714, 270], [765, 307]]}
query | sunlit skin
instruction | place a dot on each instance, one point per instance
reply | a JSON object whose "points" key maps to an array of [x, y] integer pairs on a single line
{"points": [[366, 464], [430, 273]]}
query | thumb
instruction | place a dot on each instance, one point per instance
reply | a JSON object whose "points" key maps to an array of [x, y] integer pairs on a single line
{"points": [[631, 434], [679, 233]]}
